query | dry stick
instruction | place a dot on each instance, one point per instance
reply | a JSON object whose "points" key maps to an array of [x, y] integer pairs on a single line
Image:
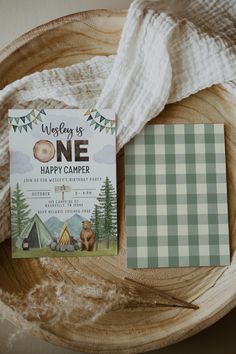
{"points": [[176, 302]]}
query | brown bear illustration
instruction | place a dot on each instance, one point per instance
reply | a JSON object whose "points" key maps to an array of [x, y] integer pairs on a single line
{"points": [[87, 236]]}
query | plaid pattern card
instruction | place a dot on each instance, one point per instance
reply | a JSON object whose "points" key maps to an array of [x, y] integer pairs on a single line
{"points": [[176, 197]]}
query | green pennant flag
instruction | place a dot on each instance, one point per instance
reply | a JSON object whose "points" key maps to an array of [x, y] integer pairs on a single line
{"points": [[42, 111], [113, 130], [17, 119], [14, 127], [35, 121], [97, 114], [28, 116], [101, 127], [23, 119], [106, 121], [32, 113], [20, 128], [25, 127], [30, 125], [89, 118], [10, 119], [93, 122], [96, 126], [101, 119], [39, 117], [107, 129]]}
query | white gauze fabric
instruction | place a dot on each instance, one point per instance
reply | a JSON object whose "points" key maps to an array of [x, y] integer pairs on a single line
{"points": [[168, 50]]}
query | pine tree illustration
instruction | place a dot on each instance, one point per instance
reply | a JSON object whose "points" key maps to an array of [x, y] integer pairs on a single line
{"points": [[97, 221], [107, 205], [19, 211]]}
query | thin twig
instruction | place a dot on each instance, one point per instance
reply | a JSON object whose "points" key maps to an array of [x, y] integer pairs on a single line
{"points": [[176, 302]]}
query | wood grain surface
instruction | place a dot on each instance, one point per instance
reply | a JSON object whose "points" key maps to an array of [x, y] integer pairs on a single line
{"points": [[124, 330]]}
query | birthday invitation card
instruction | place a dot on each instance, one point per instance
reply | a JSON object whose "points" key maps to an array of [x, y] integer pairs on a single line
{"points": [[63, 182], [176, 197]]}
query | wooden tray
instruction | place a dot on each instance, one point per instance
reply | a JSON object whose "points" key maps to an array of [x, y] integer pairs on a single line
{"points": [[70, 40]]}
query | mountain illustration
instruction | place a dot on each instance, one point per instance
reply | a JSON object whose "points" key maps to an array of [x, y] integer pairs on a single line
{"points": [[54, 225], [74, 224]]}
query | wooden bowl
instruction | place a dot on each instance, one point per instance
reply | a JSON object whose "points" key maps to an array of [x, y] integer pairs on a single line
{"points": [[66, 41]]}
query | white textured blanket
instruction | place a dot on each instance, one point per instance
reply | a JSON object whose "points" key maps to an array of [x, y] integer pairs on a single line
{"points": [[168, 50]]}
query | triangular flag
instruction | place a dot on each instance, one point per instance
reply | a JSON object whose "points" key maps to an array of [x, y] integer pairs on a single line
{"points": [[107, 129], [87, 113], [42, 111], [23, 119], [101, 127], [35, 121], [28, 116], [106, 121], [39, 117], [89, 118], [93, 122], [14, 127], [96, 126], [113, 130], [20, 128], [30, 125], [102, 118], [97, 115], [32, 113], [25, 127], [17, 120], [113, 122], [10, 119]]}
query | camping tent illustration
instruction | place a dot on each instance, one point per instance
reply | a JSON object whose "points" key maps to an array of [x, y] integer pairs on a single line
{"points": [[65, 237], [36, 234]]}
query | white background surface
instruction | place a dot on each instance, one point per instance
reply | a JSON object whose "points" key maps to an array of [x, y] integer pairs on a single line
{"points": [[17, 17]]}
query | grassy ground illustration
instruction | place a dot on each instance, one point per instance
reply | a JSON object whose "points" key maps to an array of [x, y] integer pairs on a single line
{"points": [[47, 252]]}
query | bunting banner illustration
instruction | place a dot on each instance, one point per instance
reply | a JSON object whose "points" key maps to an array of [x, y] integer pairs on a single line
{"points": [[26, 122], [100, 122]]}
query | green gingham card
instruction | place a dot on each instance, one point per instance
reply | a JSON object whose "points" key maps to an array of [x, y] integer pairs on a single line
{"points": [[176, 197]]}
